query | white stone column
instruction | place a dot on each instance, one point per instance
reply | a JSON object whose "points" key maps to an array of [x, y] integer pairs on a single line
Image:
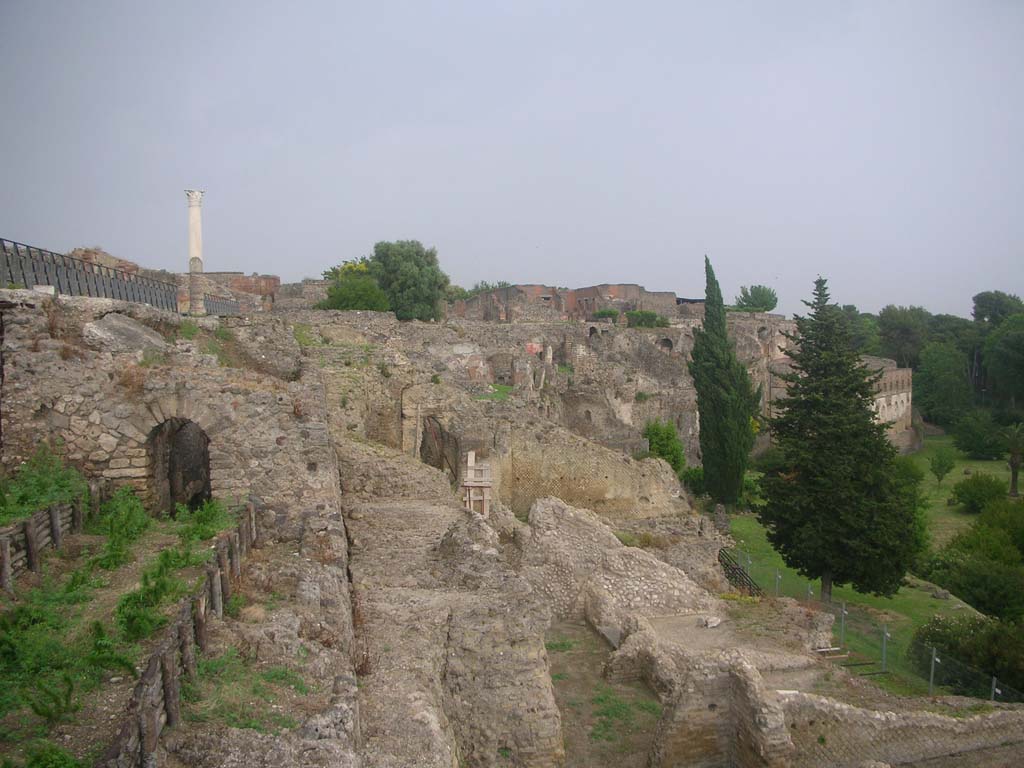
{"points": [[195, 229]]}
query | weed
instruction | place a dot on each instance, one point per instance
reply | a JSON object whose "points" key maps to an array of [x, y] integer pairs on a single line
{"points": [[641, 397], [628, 539], [647, 706], [286, 677], [223, 334], [104, 654], [498, 393], [138, 612], [612, 712], [344, 401], [123, 519], [188, 329], [558, 676], [39, 482], [46, 754], [234, 605], [213, 347], [384, 370], [566, 370], [303, 333], [560, 645], [51, 703], [435, 379], [151, 357], [203, 522], [505, 753]]}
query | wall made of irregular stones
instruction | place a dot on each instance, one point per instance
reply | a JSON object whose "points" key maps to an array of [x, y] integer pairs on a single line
{"points": [[826, 732], [267, 436]]}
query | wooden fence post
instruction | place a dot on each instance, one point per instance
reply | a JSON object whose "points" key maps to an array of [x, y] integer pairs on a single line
{"points": [[31, 545], [56, 534], [149, 711], [187, 640], [6, 571], [200, 614], [250, 509], [235, 554], [225, 572], [171, 683], [214, 580], [76, 515]]}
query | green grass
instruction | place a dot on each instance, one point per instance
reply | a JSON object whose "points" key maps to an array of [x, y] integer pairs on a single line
{"points": [[560, 645], [945, 521], [305, 336], [230, 691], [39, 482], [902, 614], [498, 393], [188, 329], [616, 715]]}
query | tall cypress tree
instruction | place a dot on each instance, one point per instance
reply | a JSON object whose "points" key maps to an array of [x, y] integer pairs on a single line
{"points": [[726, 400], [844, 509]]}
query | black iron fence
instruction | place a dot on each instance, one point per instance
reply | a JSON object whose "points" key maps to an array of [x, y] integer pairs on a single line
{"points": [[215, 305], [25, 266]]}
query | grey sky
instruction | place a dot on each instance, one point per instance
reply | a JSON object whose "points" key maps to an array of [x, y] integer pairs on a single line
{"points": [[880, 144]]}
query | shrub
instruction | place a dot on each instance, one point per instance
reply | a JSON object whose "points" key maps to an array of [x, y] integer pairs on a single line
{"points": [[665, 444], [223, 334], [203, 522], [137, 613], [693, 480], [974, 492], [770, 461], [991, 586], [39, 482], [994, 647], [45, 754], [123, 519], [606, 314], [977, 435], [642, 318], [1008, 516], [641, 397]]}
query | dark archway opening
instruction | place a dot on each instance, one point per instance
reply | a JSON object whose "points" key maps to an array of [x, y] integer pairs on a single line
{"points": [[440, 449], [665, 345], [179, 456], [593, 331]]}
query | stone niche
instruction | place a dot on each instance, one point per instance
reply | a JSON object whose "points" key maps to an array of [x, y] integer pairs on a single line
{"points": [[179, 458]]}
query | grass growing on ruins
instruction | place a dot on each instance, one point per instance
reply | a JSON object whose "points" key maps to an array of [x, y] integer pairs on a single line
{"points": [[39, 482], [946, 521], [305, 336], [232, 692], [188, 329], [498, 393]]}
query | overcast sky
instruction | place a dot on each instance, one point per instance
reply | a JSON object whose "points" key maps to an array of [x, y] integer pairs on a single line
{"points": [[880, 144]]}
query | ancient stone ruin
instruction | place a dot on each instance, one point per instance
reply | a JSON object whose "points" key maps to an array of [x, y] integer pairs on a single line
{"points": [[431, 534]]}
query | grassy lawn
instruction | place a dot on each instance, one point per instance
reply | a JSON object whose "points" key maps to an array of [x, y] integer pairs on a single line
{"points": [[945, 521], [901, 614]]}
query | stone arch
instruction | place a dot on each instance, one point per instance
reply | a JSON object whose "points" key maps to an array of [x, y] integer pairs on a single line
{"points": [[593, 331], [665, 345], [588, 416], [179, 465]]}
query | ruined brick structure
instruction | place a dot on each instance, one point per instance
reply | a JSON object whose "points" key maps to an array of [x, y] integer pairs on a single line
{"points": [[519, 303]]}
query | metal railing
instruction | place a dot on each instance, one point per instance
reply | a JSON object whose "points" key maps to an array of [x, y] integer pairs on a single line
{"points": [[737, 574], [26, 266], [215, 305]]}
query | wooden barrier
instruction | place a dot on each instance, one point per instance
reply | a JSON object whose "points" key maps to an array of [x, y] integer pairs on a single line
{"points": [[22, 543], [155, 703]]}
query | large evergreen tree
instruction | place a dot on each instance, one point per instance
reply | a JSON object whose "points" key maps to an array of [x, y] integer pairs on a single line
{"points": [[844, 509], [726, 400]]}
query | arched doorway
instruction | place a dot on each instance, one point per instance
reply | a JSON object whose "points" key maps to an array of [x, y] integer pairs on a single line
{"points": [[179, 457], [665, 345]]}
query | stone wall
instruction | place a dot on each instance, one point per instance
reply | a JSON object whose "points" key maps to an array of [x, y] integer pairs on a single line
{"points": [[292, 296], [102, 404], [827, 732]]}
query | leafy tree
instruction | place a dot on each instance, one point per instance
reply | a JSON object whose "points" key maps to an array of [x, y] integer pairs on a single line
{"points": [[410, 277], [963, 334], [1004, 358], [903, 332], [941, 387], [985, 643], [353, 287], [844, 510], [977, 435], [974, 493], [757, 298], [642, 318], [992, 307], [606, 314], [1013, 442], [726, 400], [665, 444], [863, 330], [941, 463]]}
